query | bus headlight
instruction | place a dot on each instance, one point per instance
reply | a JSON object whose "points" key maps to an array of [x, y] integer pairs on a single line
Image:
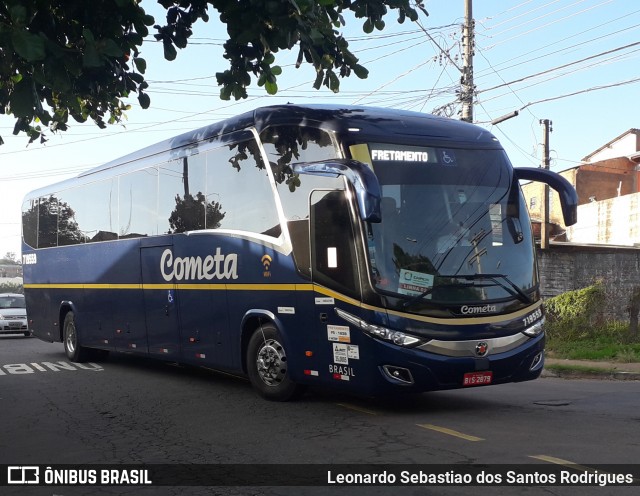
{"points": [[536, 329], [395, 337]]}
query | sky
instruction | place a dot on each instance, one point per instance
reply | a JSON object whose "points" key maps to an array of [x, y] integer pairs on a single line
{"points": [[574, 62]]}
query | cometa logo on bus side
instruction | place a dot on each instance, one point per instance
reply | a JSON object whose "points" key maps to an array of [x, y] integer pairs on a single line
{"points": [[218, 266]]}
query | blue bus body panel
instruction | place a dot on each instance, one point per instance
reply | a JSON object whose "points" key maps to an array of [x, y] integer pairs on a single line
{"points": [[198, 321]]}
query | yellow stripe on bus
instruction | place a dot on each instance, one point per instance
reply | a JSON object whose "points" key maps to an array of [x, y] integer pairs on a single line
{"points": [[297, 287]]}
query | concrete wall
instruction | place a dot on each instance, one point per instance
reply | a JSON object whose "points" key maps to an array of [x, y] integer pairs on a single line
{"points": [[565, 267], [615, 221]]}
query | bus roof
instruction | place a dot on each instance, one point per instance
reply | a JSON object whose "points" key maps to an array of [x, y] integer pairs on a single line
{"points": [[373, 122]]}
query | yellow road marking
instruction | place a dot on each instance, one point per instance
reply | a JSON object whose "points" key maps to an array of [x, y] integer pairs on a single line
{"points": [[450, 432], [565, 463], [357, 408]]}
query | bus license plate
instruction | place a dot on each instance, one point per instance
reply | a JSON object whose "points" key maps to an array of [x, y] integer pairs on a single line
{"points": [[477, 378]]}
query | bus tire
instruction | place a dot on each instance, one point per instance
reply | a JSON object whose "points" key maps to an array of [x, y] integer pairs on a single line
{"points": [[72, 348], [267, 365]]}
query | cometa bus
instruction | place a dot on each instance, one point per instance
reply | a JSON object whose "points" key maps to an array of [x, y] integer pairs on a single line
{"points": [[371, 250]]}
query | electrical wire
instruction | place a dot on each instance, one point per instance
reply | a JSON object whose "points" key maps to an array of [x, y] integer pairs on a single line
{"points": [[547, 71]]}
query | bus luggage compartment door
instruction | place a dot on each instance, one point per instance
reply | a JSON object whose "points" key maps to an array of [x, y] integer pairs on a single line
{"points": [[160, 305]]}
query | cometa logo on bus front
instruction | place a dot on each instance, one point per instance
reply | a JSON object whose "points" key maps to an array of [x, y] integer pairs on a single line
{"points": [[468, 310], [218, 266]]}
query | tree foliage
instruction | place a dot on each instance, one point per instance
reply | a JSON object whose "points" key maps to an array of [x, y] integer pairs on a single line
{"points": [[79, 59], [70, 58], [195, 212]]}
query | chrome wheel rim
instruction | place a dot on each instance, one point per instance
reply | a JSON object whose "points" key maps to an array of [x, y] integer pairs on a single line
{"points": [[271, 362], [70, 341]]}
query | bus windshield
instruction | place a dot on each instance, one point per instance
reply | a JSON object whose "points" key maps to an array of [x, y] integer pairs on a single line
{"points": [[454, 228]]}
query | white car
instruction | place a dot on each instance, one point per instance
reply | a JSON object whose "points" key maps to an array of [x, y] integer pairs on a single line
{"points": [[13, 314]]}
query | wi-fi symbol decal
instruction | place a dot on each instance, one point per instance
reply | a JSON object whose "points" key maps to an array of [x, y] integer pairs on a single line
{"points": [[266, 263]]}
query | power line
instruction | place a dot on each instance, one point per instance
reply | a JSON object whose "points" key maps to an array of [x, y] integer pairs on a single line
{"points": [[577, 45], [560, 67], [548, 24], [587, 90]]}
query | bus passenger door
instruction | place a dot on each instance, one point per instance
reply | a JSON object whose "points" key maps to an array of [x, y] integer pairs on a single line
{"points": [[335, 277], [160, 305]]}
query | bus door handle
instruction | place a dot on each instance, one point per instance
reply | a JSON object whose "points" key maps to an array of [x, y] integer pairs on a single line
{"points": [[324, 317]]}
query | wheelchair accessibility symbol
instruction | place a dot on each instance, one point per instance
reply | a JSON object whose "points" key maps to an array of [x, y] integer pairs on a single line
{"points": [[448, 157]]}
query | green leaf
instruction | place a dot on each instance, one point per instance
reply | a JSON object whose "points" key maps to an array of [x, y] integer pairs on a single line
{"points": [[271, 87], [318, 82], [57, 75], [225, 93], [334, 82], [22, 100], [360, 71], [111, 48], [90, 57], [141, 64], [144, 100], [268, 59], [88, 36], [18, 14], [29, 46], [170, 52], [136, 77], [276, 70]]}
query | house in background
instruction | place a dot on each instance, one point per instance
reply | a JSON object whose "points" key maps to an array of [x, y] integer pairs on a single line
{"points": [[607, 183]]}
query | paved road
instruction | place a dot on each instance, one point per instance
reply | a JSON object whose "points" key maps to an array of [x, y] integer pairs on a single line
{"points": [[133, 410]]}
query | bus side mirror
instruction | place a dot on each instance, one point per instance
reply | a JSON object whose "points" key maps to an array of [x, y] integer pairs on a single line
{"points": [[568, 195], [361, 177]]}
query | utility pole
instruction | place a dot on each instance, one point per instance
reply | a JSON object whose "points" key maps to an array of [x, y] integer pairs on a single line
{"points": [[544, 226], [466, 80]]}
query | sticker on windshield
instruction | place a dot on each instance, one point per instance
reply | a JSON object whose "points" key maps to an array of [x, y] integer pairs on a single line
{"points": [[414, 283], [448, 158]]}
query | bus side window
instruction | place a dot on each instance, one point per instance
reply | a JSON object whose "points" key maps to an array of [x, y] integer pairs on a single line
{"points": [[333, 247], [138, 201], [48, 222], [238, 187], [30, 222]]}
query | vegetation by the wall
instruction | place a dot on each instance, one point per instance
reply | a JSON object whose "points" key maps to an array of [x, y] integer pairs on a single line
{"points": [[575, 314], [576, 328]]}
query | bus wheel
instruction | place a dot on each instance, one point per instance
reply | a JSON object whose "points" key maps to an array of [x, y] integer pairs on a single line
{"points": [[72, 349], [267, 365]]}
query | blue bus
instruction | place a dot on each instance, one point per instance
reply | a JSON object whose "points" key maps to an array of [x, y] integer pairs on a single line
{"points": [[370, 250]]}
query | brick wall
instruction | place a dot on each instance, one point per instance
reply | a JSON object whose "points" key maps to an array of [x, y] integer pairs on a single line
{"points": [[565, 267]]}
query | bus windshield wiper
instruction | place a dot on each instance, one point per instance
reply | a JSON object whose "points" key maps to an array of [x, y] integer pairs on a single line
{"points": [[418, 297], [500, 280]]}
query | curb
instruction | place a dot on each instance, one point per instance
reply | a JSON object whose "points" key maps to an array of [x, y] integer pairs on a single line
{"points": [[568, 372]]}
